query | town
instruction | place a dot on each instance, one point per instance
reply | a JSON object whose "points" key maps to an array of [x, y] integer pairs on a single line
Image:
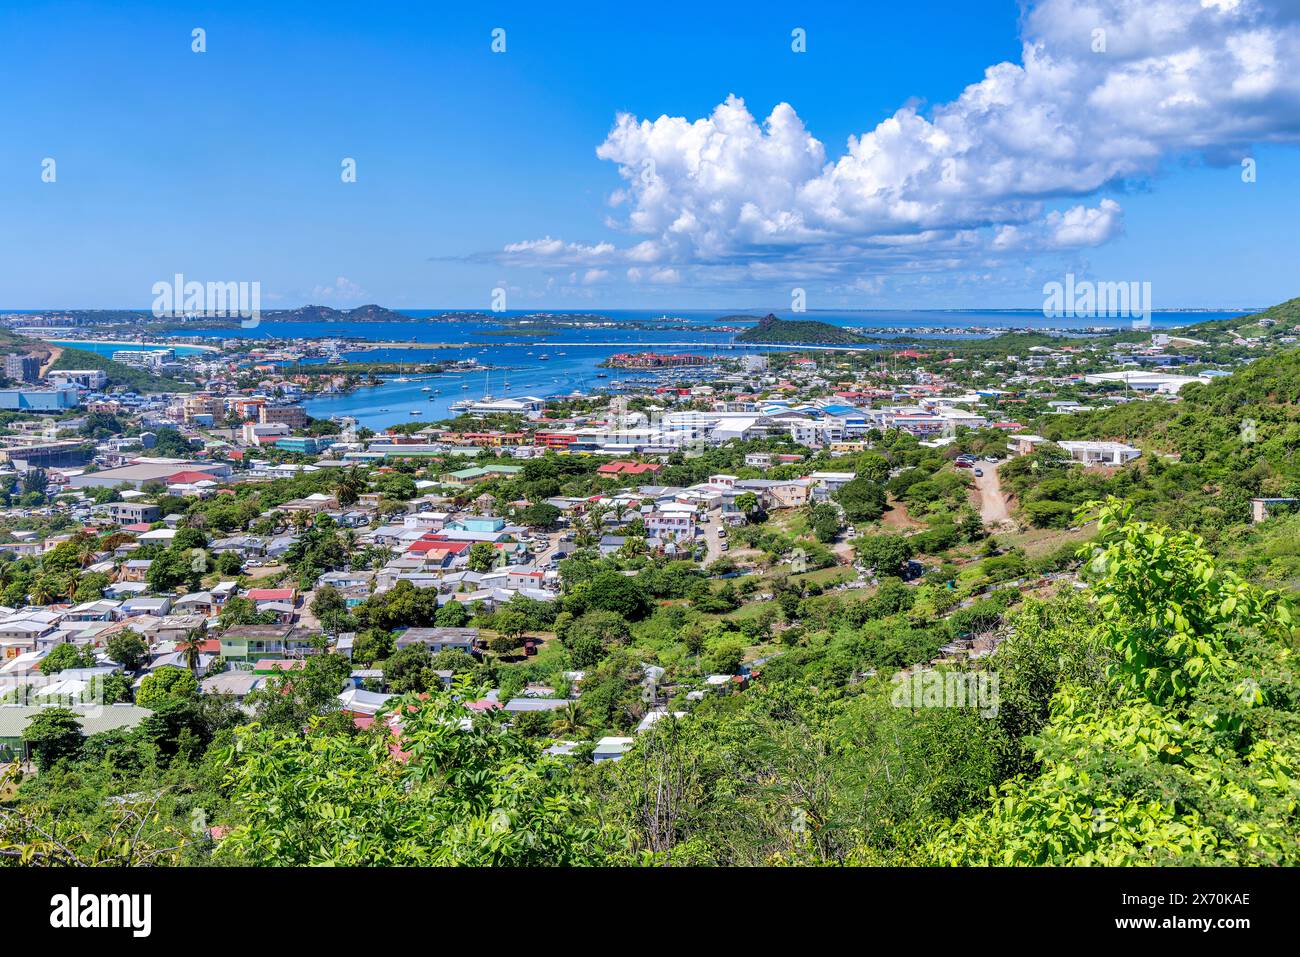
{"points": [[575, 568]]}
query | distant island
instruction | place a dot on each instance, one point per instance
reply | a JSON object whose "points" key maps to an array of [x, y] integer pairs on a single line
{"points": [[366, 313], [770, 329]]}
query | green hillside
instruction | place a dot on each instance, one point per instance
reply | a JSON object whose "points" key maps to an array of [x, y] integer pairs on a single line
{"points": [[1205, 456], [799, 332], [137, 380]]}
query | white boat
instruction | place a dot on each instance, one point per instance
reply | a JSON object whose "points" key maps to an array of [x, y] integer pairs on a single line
{"points": [[416, 412], [426, 389]]}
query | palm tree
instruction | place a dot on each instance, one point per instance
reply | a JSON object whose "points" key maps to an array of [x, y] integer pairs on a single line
{"points": [[70, 586], [570, 722], [191, 647], [349, 487], [42, 593], [86, 551]]}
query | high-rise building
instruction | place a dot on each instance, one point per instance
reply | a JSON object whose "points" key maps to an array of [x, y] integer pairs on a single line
{"points": [[21, 367], [294, 416]]}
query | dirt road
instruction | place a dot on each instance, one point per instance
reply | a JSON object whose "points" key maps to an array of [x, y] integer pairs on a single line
{"points": [[53, 357], [993, 503]]}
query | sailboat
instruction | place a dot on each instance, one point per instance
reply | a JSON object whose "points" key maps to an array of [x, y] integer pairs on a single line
{"points": [[470, 403]]}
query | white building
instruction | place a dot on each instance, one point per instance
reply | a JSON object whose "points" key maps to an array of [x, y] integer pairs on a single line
{"points": [[1100, 453], [82, 378], [1163, 383]]}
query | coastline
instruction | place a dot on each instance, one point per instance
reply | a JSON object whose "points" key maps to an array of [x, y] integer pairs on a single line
{"points": [[74, 343]]}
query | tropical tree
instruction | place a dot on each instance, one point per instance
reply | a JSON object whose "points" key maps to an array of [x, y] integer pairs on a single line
{"points": [[128, 649], [350, 485], [166, 684], [43, 591], [464, 792], [747, 502], [53, 735], [191, 647], [1187, 753], [570, 722]]}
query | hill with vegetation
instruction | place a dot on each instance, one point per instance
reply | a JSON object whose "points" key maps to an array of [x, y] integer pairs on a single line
{"points": [[137, 380], [770, 329], [1204, 456], [366, 313], [1286, 314]]}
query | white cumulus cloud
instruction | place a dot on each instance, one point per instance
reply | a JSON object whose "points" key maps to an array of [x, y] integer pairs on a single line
{"points": [[1105, 91]]}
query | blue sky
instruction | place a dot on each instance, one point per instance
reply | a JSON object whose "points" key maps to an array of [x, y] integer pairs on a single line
{"points": [[479, 170]]}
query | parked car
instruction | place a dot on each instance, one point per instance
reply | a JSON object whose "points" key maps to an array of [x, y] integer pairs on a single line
{"points": [[979, 473]]}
